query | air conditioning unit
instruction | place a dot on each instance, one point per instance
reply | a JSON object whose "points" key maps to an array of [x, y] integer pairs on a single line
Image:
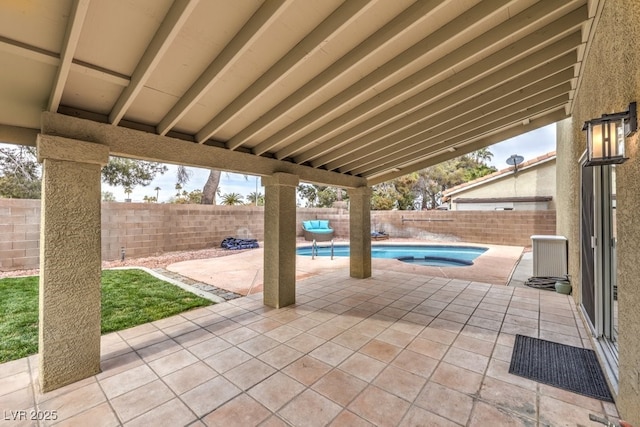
{"points": [[549, 256]]}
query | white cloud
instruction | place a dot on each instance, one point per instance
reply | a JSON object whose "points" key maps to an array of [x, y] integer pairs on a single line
{"points": [[529, 145]]}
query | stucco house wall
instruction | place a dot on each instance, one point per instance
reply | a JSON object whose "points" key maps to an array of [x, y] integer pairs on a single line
{"points": [[534, 181], [611, 80]]}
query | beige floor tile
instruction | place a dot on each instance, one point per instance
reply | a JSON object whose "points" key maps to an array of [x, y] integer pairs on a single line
{"points": [[310, 409], [330, 353], [351, 340], [349, 419], [305, 342], [509, 397], [280, 356], [75, 401], [249, 373], [446, 402], [241, 411], [466, 359], [209, 347], [98, 416], [554, 411], [159, 350], [171, 413], [208, 396], [119, 364], [171, 363], [189, 377], [395, 337], [137, 402], [429, 348], [128, 380], [274, 421], [457, 378], [586, 402], [283, 333], [561, 338], [194, 337], [17, 400], [379, 407], [276, 391], [415, 363], [418, 417], [339, 386], [438, 335], [486, 415], [380, 350], [307, 370], [258, 345], [14, 367], [145, 340], [227, 359], [400, 382], [239, 335], [364, 367], [474, 345], [15, 382]]}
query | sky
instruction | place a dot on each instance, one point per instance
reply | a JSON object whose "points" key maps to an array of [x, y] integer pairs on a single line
{"points": [[529, 146]]}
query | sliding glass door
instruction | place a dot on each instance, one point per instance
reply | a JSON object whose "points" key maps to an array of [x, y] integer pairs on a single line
{"points": [[599, 292]]}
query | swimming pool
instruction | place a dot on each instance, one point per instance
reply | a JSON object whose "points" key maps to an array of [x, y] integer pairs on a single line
{"points": [[429, 255]]}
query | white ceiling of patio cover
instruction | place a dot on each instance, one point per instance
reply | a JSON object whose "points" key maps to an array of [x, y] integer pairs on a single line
{"points": [[372, 88]]}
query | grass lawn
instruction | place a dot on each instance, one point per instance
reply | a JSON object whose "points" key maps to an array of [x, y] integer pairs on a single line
{"points": [[129, 298]]}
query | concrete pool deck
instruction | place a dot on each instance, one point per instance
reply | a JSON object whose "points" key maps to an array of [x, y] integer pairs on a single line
{"points": [[242, 273]]}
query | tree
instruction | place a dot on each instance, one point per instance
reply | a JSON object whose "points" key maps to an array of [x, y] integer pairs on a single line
{"points": [[107, 196], [192, 198], [19, 173], [232, 199], [128, 191], [435, 179], [256, 198], [150, 199], [319, 196], [210, 188], [157, 190], [130, 173]]}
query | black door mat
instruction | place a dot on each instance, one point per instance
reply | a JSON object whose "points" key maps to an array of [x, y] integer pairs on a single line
{"points": [[571, 368]]}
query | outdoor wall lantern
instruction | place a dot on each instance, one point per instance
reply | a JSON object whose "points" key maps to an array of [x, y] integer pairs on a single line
{"points": [[606, 135]]}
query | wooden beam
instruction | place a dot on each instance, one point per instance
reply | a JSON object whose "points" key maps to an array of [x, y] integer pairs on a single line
{"points": [[497, 64], [165, 35], [77, 15], [314, 41], [547, 119], [399, 25], [252, 30]]}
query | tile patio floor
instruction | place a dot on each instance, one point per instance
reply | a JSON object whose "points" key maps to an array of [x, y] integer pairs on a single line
{"points": [[396, 349]]}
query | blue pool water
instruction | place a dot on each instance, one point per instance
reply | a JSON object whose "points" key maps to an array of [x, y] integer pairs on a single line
{"points": [[430, 255]]}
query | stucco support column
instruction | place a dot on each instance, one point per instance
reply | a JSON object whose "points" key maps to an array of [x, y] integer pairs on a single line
{"points": [[70, 260], [280, 239], [360, 232]]}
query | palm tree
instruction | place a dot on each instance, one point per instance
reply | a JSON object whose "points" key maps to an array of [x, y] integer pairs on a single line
{"points": [[157, 193], [232, 199], [128, 190], [256, 198]]}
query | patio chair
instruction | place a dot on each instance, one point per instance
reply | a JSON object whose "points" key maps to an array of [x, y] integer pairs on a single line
{"points": [[318, 230]]}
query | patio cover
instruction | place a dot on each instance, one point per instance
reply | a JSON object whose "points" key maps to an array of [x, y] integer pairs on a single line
{"points": [[333, 91]]}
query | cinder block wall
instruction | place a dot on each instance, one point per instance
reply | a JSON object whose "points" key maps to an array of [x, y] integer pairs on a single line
{"points": [[145, 229], [493, 227], [19, 234]]}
